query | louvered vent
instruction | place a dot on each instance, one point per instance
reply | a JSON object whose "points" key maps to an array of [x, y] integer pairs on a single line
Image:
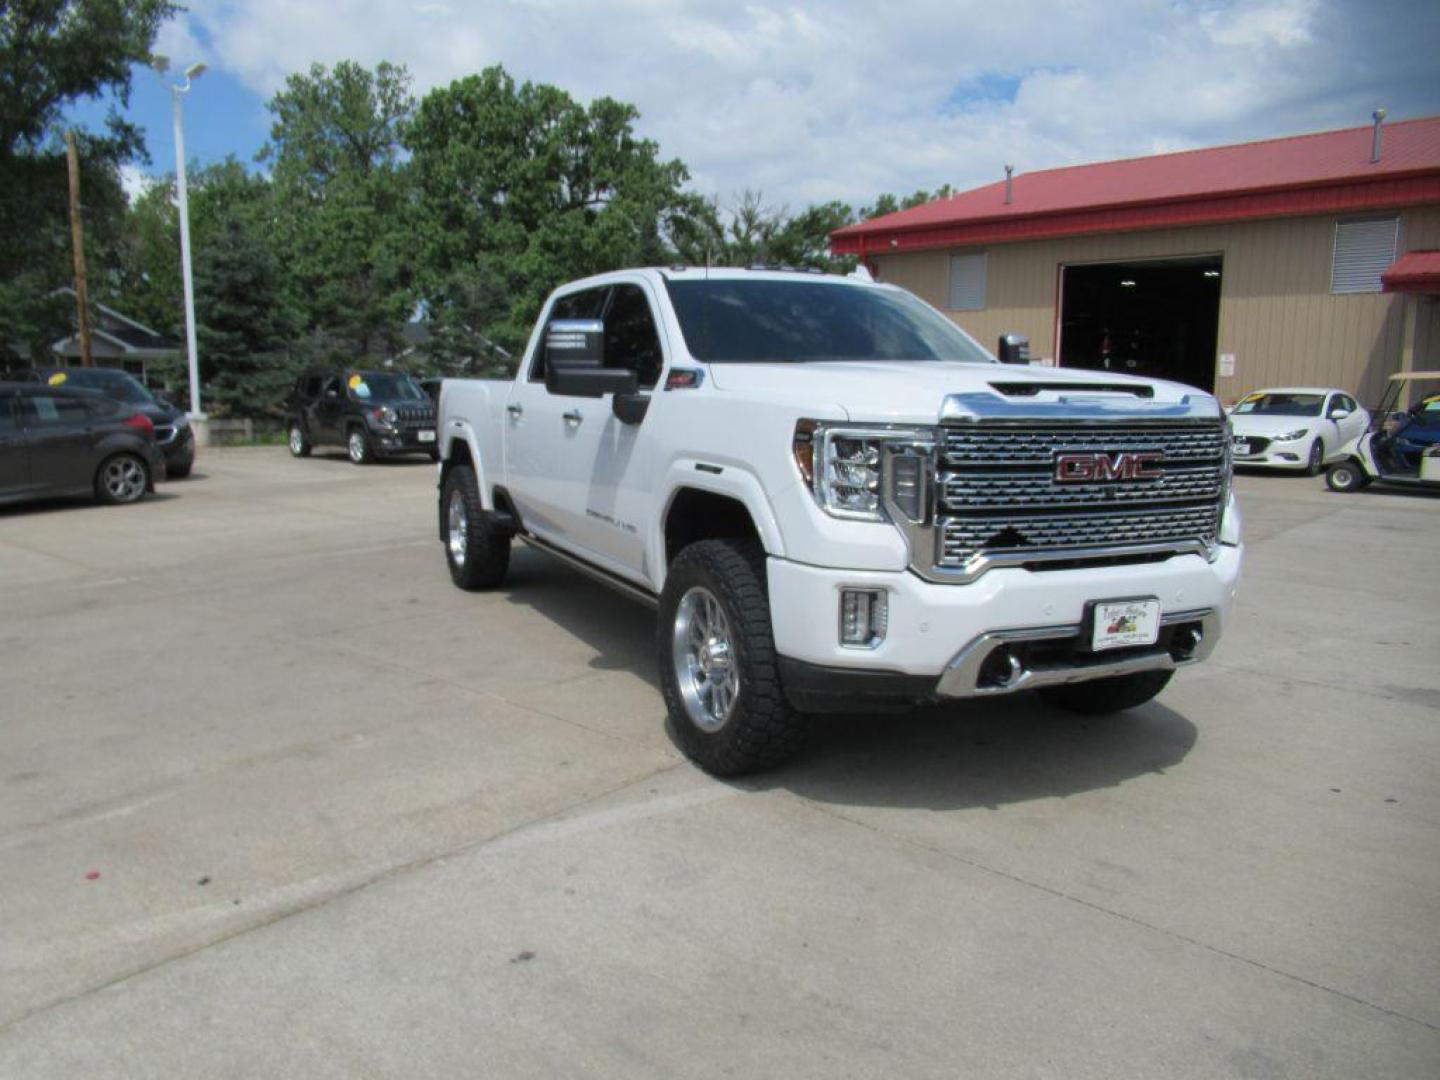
{"points": [[1363, 251], [967, 282]]}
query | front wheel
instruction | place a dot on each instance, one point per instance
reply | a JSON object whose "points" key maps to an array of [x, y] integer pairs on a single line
{"points": [[123, 478], [299, 444], [477, 552], [357, 444], [718, 668], [1317, 458], [1100, 696], [1346, 476]]}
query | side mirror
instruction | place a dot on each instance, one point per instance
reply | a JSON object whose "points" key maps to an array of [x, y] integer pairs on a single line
{"points": [[1014, 349], [332, 393], [574, 343], [1339, 414], [590, 382]]}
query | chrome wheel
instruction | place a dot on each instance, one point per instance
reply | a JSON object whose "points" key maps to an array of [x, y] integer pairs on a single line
{"points": [[357, 447], [704, 656], [457, 528], [297, 441], [125, 479]]}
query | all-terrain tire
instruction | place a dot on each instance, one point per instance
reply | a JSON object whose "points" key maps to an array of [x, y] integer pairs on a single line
{"points": [[1101, 696], [476, 550], [298, 441], [761, 729]]}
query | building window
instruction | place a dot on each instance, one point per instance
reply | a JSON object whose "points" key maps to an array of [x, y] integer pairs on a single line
{"points": [[967, 282], [1363, 251]]}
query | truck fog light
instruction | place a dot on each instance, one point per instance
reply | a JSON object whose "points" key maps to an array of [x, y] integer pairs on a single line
{"points": [[863, 614]]}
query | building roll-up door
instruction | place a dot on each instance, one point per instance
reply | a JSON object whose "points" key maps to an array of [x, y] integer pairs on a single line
{"points": [[1363, 251]]}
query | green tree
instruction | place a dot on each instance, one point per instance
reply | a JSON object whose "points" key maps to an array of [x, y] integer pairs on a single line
{"points": [[243, 324], [54, 53], [341, 204], [520, 188]]}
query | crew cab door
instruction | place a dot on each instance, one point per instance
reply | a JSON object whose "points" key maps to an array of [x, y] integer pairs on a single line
{"points": [[595, 493]]}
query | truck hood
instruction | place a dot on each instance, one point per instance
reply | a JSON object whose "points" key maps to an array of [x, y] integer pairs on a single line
{"points": [[903, 392]]}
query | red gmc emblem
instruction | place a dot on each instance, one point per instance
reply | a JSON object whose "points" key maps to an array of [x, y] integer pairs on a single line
{"points": [[1090, 468]]}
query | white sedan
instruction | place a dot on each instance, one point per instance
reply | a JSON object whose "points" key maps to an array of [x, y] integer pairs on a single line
{"points": [[1294, 427]]}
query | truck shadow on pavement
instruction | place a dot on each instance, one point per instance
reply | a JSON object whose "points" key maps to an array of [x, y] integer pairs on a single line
{"points": [[948, 756]]}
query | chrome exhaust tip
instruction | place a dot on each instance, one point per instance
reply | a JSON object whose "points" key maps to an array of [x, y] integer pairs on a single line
{"points": [[1002, 670], [1187, 641]]}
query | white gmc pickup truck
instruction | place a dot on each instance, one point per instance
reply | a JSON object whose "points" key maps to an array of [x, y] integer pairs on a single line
{"points": [[837, 500]]}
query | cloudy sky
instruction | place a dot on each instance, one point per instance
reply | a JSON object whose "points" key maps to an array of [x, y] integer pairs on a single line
{"points": [[848, 98]]}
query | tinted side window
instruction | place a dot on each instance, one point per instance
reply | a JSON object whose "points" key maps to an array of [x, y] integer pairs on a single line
{"points": [[48, 411], [585, 304], [310, 386], [631, 340], [100, 407]]}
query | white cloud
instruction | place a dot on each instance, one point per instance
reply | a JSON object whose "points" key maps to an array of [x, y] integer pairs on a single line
{"points": [[134, 181], [850, 98]]}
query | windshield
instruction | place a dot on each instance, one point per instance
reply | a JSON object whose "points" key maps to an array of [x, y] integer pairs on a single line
{"points": [[385, 386], [1280, 405], [730, 321], [113, 384]]}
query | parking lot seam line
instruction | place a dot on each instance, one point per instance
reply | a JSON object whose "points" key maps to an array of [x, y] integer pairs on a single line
{"points": [[1060, 894], [342, 893]]}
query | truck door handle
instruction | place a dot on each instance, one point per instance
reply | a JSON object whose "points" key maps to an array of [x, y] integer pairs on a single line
{"points": [[574, 416], [515, 409]]}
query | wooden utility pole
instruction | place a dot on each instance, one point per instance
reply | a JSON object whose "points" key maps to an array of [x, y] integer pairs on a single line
{"points": [[77, 242]]}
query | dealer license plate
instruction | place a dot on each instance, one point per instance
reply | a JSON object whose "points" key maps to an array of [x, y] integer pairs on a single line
{"points": [[425, 436], [1118, 623]]}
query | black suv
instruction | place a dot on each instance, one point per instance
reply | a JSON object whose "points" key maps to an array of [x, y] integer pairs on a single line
{"points": [[172, 427], [373, 414]]}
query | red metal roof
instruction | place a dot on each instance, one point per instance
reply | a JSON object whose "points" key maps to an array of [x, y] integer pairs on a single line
{"points": [[1415, 271], [1303, 174]]}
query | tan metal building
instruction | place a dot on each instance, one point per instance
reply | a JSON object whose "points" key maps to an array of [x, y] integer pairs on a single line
{"points": [[1229, 268]]}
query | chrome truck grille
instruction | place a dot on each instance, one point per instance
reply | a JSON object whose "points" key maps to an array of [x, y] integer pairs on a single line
{"points": [[1023, 494]]}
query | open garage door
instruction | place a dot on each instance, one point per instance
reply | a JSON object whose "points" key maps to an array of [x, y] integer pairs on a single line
{"points": [[1157, 317]]}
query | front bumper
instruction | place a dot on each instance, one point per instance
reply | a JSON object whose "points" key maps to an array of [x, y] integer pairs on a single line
{"points": [[179, 448], [403, 441], [940, 637], [1269, 454]]}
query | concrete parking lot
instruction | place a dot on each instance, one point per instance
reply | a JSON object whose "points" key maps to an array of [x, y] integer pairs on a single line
{"points": [[277, 800]]}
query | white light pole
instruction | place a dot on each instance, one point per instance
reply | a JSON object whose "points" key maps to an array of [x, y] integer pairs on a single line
{"points": [[177, 91]]}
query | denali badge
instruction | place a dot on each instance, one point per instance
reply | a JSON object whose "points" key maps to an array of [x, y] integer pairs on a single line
{"points": [[1089, 468]]}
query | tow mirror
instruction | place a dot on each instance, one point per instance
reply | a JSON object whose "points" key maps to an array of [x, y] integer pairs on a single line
{"points": [[575, 343], [1014, 349]]}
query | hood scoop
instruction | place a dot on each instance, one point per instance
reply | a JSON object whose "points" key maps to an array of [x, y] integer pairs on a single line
{"points": [[1033, 389]]}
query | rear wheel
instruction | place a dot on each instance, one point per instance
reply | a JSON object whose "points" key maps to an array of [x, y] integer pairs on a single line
{"points": [[1346, 476], [123, 478], [357, 444], [299, 444], [718, 668], [1317, 458], [1100, 696], [477, 552]]}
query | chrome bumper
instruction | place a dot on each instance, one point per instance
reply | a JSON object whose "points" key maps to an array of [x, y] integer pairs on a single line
{"points": [[994, 663]]}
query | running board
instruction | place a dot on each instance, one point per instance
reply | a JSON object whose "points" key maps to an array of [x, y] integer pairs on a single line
{"points": [[595, 573]]}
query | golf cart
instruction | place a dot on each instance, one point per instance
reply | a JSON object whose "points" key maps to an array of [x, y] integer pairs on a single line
{"points": [[1400, 448]]}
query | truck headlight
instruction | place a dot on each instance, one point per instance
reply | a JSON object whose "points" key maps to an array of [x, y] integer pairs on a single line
{"points": [[846, 469]]}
